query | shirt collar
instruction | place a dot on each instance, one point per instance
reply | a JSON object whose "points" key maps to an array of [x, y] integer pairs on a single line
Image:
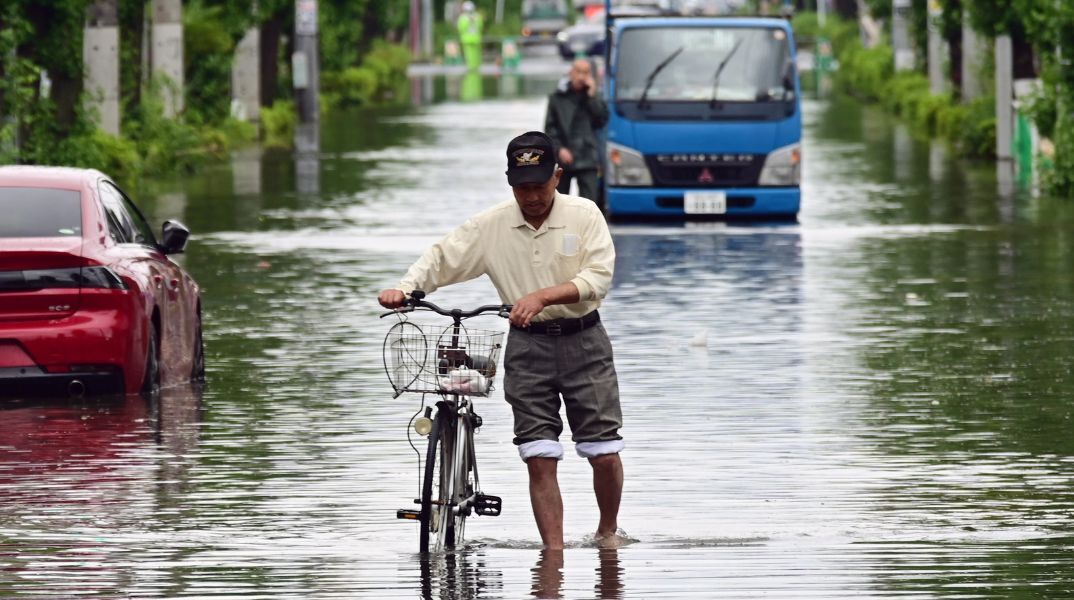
{"points": [[556, 219]]}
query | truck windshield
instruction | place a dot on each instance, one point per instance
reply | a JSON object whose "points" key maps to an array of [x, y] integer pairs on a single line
{"points": [[734, 70]]}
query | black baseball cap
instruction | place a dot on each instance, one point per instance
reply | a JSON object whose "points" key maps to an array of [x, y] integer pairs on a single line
{"points": [[531, 158]]}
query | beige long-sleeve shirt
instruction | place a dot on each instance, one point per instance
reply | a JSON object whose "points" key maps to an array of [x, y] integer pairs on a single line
{"points": [[573, 244]]}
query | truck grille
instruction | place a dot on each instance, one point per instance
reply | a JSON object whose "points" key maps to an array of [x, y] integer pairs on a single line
{"points": [[705, 170]]}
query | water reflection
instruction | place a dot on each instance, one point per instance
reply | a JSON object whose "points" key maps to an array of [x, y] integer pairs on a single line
{"points": [[609, 575], [548, 575], [307, 158], [78, 478], [463, 575]]}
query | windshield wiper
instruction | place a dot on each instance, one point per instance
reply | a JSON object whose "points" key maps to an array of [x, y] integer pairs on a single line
{"points": [[719, 71], [656, 71]]}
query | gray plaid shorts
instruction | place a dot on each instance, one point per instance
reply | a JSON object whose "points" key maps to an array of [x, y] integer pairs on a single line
{"points": [[540, 369]]}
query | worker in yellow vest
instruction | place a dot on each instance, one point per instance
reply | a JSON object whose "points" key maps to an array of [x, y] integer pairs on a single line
{"points": [[470, 25]]}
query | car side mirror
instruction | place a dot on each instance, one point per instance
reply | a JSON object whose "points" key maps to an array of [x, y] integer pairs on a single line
{"points": [[174, 236]]}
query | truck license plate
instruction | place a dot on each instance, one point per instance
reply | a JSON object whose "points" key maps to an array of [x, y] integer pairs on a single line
{"points": [[705, 203]]}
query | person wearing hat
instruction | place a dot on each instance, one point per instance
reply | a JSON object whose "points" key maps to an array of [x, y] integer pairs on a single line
{"points": [[551, 256], [469, 25], [576, 113]]}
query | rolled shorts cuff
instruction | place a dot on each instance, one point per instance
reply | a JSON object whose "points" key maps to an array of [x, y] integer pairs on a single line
{"points": [[541, 449], [595, 449]]}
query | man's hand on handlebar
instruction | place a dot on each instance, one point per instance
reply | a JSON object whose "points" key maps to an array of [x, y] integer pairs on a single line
{"points": [[392, 298]]}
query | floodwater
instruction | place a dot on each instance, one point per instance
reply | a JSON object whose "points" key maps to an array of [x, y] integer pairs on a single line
{"points": [[871, 403]]}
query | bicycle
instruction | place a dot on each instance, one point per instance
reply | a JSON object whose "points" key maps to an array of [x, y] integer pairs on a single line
{"points": [[458, 364]]}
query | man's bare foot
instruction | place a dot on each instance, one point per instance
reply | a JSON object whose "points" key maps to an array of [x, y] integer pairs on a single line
{"points": [[611, 540]]}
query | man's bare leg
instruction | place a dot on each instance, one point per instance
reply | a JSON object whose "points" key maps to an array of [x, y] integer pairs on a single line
{"points": [[546, 501], [608, 486]]}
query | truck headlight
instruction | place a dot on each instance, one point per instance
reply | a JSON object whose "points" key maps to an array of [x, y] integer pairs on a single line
{"points": [[626, 166], [783, 166]]}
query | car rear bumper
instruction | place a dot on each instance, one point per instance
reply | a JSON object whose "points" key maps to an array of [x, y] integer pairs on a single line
{"points": [[92, 346], [17, 382], [668, 202]]}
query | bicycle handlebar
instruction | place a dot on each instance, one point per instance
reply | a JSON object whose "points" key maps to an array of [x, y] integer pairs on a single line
{"points": [[415, 301]]}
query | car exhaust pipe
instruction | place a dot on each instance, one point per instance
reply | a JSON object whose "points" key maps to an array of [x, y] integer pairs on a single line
{"points": [[76, 389]]}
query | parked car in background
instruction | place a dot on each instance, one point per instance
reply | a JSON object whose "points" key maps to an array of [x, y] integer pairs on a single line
{"points": [[586, 36], [90, 301], [543, 19]]}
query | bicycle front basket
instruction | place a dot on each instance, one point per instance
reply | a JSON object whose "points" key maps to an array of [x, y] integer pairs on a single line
{"points": [[441, 362]]}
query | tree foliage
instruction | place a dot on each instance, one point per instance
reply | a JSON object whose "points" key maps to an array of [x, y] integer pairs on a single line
{"points": [[1045, 25], [42, 119]]}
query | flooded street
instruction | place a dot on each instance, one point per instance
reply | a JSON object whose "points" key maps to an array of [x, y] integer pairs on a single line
{"points": [[872, 403]]}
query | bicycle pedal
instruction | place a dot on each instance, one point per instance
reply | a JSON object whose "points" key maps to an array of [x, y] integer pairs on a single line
{"points": [[488, 506], [410, 515]]}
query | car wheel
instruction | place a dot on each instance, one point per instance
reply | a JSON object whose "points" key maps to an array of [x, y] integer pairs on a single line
{"points": [[151, 380], [197, 374]]}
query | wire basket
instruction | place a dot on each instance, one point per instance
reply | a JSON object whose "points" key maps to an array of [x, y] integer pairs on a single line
{"points": [[441, 363]]}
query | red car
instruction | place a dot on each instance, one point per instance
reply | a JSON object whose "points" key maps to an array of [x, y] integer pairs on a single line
{"points": [[90, 301]]}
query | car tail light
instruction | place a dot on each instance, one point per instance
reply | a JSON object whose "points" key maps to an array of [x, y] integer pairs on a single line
{"points": [[74, 277]]}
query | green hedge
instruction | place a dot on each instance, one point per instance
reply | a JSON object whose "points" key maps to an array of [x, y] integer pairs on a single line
{"points": [[869, 74], [379, 79]]}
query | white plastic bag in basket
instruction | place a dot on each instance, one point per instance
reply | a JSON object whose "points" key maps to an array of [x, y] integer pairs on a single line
{"points": [[464, 381]]}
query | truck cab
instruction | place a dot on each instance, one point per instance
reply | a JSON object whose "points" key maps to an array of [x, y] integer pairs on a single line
{"points": [[705, 119]]}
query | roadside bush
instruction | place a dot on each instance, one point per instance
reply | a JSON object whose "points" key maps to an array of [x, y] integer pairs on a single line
{"points": [[380, 79], [351, 86], [278, 124], [869, 74]]}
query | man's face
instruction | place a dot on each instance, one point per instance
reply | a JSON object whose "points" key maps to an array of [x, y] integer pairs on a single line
{"points": [[579, 74], [535, 199]]}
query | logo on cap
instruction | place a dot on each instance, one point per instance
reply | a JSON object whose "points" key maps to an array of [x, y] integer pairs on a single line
{"points": [[528, 157]]}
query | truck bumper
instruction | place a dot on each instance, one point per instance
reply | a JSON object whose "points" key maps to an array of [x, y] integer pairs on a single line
{"points": [[767, 202]]}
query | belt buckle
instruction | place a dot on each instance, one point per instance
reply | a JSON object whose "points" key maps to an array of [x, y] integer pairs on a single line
{"points": [[554, 329]]}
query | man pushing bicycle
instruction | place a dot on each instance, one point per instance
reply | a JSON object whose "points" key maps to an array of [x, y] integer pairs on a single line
{"points": [[551, 256]]}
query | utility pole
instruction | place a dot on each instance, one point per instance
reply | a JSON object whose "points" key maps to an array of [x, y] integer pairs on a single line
{"points": [[427, 29], [305, 68], [100, 59], [415, 28], [900, 35], [246, 75], [936, 49], [167, 52], [1004, 96]]}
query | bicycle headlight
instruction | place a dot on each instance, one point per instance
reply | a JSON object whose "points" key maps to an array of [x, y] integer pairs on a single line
{"points": [[783, 166], [626, 166], [423, 425]]}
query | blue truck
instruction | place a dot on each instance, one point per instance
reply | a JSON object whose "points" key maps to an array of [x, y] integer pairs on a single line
{"points": [[705, 118]]}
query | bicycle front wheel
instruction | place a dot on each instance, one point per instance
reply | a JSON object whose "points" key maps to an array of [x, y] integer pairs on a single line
{"points": [[434, 498], [448, 482], [463, 487]]}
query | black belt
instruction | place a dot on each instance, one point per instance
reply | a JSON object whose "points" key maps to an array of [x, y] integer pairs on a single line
{"points": [[562, 326]]}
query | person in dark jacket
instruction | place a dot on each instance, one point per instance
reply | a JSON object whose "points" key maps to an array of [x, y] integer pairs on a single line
{"points": [[576, 114]]}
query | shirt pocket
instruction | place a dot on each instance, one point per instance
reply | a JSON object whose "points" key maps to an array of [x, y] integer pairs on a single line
{"points": [[570, 244], [567, 266]]}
